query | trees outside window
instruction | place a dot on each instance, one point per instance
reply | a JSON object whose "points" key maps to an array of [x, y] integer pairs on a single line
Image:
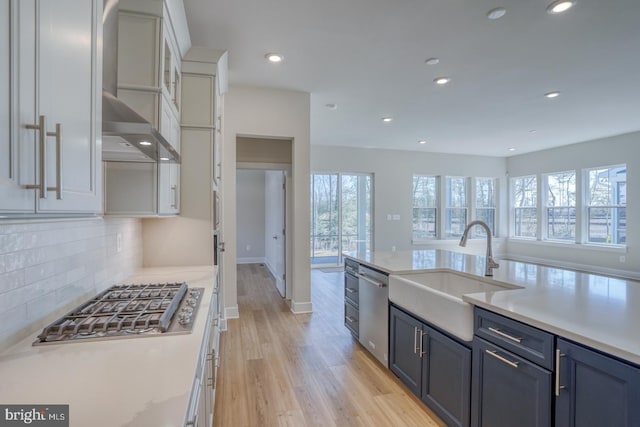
{"points": [[525, 206], [561, 206]]}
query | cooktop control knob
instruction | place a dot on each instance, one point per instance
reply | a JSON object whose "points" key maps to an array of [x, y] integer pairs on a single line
{"points": [[194, 293]]}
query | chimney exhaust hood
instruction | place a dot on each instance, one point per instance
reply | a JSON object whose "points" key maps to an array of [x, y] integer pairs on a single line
{"points": [[126, 135]]}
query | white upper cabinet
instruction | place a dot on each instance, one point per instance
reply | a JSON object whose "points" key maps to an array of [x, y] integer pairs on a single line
{"points": [[51, 148]]}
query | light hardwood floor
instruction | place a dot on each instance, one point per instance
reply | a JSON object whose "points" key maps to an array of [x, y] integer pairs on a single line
{"points": [[278, 368]]}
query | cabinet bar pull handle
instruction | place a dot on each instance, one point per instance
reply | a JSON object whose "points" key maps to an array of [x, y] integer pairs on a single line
{"points": [[507, 336], [175, 196], [373, 282], [422, 334], [558, 387], [502, 359], [415, 339], [58, 187], [350, 319], [41, 128], [350, 290]]}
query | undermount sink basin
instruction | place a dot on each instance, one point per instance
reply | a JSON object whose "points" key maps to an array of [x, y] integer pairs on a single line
{"points": [[437, 298]]}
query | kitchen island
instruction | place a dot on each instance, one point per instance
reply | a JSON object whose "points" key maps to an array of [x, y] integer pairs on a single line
{"points": [[135, 382], [532, 345], [592, 309]]}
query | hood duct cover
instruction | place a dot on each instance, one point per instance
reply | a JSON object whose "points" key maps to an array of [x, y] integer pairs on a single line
{"points": [[126, 135]]}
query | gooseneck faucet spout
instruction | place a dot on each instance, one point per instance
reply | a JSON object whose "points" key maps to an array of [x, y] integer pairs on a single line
{"points": [[490, 264]]}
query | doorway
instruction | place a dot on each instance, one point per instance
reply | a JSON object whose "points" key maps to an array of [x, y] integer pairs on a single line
{"points": [[261, 221]]}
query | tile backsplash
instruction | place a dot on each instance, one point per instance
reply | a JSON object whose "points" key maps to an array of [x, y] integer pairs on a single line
{"points": [[47, 267]]}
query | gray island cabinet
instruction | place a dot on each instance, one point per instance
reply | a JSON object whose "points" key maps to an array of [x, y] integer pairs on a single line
{"points": [[435, 367], [561, 350]]}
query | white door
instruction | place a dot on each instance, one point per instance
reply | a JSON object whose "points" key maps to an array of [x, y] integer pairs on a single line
{"points": [[275, 227]]}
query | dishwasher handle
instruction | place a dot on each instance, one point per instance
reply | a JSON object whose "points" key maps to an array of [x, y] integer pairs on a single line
{"points": [[369, 280]]}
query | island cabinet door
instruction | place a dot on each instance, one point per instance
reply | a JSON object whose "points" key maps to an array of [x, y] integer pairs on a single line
{"points": [[446, 378], [404, 348], [594, 390], [508, 390]]}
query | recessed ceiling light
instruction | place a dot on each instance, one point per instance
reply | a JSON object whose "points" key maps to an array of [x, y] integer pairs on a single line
{"points": [[164, 159], [432, 61], [512, 149], [496, 13], [533, 131], [274, 57], [387, 119], [441, 80], [144, 143], [560, 6], [331, 106], [422, 141], [551, 95]]}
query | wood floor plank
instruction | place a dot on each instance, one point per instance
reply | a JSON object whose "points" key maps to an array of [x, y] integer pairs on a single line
{"points": [[281, 369]]}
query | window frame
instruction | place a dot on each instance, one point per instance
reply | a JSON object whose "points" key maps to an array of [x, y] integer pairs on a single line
{"points": [[474, 206], [436, 208], [513, 208], [545, 207], [585, 238], [446, 207]]}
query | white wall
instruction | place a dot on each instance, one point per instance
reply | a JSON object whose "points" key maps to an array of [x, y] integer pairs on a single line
{"points": [[393, 172], [284, 114], [48, 267], [250, 215], [601, 152]]}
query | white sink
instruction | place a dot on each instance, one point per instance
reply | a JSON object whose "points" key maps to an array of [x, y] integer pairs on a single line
{"points": [[437, 298]]}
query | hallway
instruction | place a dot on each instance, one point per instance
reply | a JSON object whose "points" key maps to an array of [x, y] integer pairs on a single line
{"points": [[278, 368]]}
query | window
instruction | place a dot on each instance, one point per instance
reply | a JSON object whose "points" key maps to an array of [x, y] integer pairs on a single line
{"points": [[341, 216], [525, 211], [485, 204], [455, 206], [561, 206], [425, 202], [606, 205]]}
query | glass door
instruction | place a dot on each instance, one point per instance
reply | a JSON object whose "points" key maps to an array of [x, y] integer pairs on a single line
{"points": [[341, 216]]}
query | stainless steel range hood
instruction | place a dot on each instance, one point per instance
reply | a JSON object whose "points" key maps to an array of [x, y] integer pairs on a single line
{"points": [[126, 135]]}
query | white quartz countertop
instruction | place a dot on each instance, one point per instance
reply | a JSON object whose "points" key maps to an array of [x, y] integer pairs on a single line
{"points": [[595, 310], [137, 382]]}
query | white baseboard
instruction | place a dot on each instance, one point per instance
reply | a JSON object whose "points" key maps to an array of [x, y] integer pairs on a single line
{"points": [[251, 260], [222, 325], [301, 307], [231, 313]]}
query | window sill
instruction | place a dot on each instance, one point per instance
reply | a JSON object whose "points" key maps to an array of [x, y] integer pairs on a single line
{"points": [[622, 249]]}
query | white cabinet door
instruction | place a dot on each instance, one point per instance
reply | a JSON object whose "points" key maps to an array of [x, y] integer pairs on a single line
{"points": [[17, 106], [69, 72], [51, 69], [168, 173]]}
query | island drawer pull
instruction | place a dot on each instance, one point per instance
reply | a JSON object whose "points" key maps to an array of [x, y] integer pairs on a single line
{"points": [[350, 319], [350, 290], [502, 359], [415, 339], [507, 336]]}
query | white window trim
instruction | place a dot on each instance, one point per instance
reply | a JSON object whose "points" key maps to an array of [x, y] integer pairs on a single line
{"points": [[581, 241]]}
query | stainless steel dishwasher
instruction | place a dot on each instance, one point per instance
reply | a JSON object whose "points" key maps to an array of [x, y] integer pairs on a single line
{"points": [[374, 312]]}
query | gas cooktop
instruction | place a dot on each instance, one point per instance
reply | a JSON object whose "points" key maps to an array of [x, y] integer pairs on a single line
{"points": [[128, 311]]}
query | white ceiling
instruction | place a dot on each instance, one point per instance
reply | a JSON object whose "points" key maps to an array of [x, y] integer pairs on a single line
{"points": [[368, 57]]}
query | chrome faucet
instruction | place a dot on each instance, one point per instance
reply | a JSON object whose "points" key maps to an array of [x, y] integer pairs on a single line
{"points": [[490, 264]]}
